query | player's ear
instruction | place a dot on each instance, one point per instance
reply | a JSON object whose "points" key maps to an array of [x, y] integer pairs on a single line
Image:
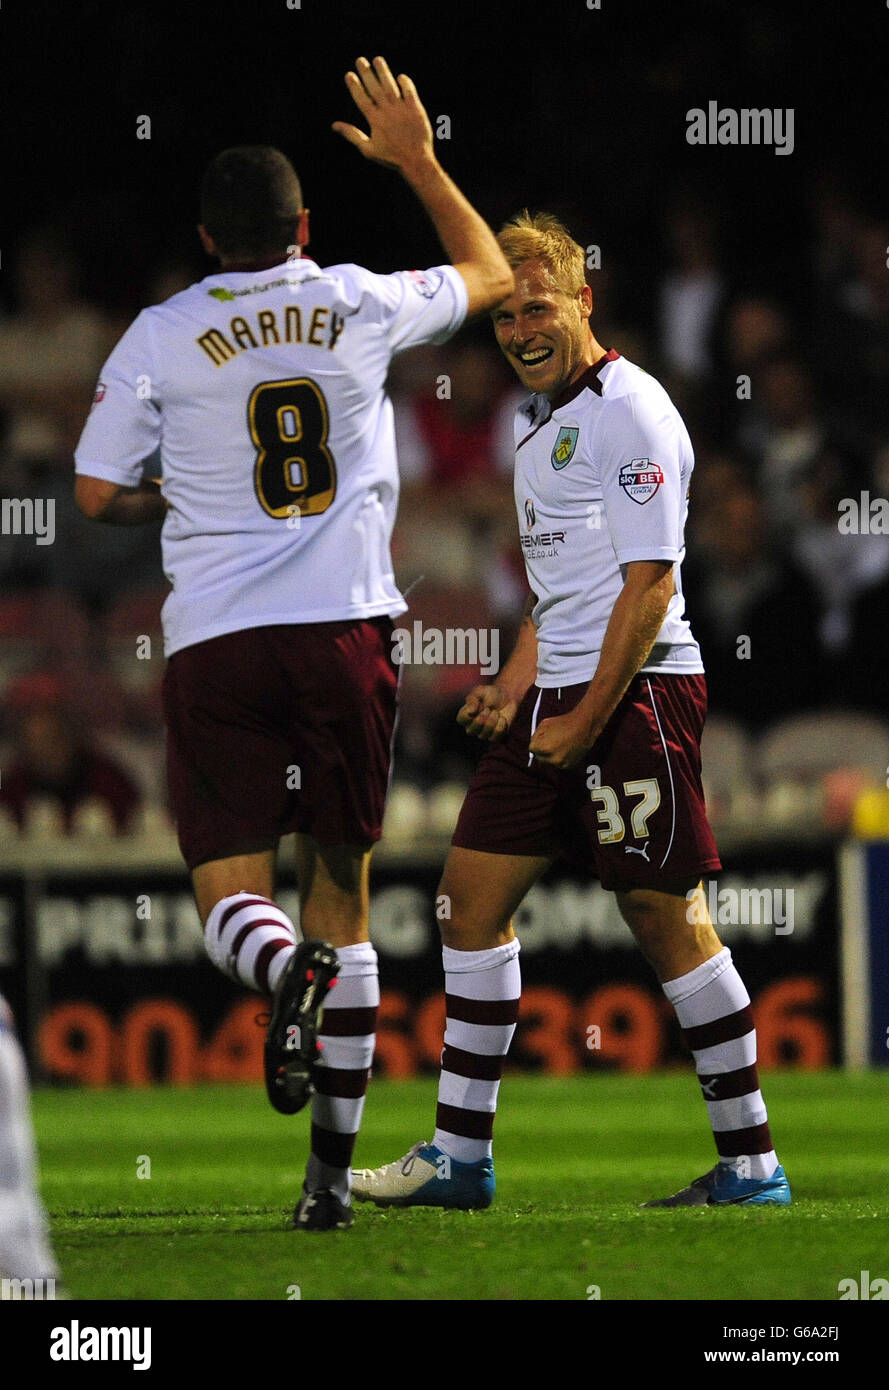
{"points": [[207, 241], [585, 296], [302, 229]]}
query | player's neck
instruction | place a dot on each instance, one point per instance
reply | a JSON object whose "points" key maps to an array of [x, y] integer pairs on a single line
{"points": [[263, 263], [593, 353]]}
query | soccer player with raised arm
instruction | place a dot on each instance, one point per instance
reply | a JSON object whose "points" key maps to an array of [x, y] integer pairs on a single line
{"points": [[594, 726], [264, 387]]}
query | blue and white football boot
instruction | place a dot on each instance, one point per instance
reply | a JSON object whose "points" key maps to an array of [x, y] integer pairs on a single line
{"points": [[426, 1177], [722, 1187]]}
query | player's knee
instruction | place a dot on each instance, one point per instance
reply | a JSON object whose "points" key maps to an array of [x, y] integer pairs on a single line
{"points": [[466, 925], [662, 922]]}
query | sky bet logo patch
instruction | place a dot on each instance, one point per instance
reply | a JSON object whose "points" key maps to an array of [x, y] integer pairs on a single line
{"points": [[564, 447], [640, 479]]}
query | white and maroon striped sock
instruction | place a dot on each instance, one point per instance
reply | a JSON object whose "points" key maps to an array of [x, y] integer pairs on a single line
{"points": [[482, 990], [713, 1009], [347, 1037], [250, 939]]}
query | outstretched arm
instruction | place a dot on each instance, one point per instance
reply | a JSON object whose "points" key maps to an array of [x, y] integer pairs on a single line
{"points": [[401, 138]]}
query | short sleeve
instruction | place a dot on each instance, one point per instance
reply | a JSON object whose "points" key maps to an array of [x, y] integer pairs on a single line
{"points": [[124, 425], [638, 447], [420, 306]]}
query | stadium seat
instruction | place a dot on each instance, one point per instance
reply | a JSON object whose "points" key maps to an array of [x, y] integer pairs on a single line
{"points": [[727, 762], [805, 747]]}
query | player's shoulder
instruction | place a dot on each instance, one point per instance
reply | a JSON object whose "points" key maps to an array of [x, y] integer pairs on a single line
{"points": [[625, 379], [629, 393]]}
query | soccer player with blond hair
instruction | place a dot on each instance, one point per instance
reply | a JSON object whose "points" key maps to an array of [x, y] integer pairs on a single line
{"points": [[594, 727]]}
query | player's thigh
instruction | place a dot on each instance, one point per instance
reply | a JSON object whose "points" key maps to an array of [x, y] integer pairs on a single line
{"points": [[334, 891], [240, 873], [478, 894], [671, 925]]}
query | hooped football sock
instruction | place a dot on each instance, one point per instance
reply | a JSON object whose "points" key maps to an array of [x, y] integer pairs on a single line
{"points": [[713, 1008], [347, 1037], [250, 939], [482, 992]]}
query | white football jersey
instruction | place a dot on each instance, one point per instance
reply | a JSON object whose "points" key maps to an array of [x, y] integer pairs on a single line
{"points": [[602, 477], [264, 391]]}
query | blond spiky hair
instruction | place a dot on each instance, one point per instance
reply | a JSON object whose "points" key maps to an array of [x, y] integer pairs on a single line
{"points": [[540, 236]]}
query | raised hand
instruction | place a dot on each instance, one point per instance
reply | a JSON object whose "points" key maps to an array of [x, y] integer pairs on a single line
{"points": [[400, 133]]}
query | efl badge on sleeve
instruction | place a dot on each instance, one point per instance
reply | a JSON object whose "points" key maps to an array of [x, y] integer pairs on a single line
{"points": [[640, 479], [426, 282], [563, 449]]}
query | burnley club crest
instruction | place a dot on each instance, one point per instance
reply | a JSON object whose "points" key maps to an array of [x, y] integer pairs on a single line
{"points": [[563, 449]]}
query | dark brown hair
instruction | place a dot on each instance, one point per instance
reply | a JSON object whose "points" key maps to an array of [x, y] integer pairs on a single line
{"points": [[250, 202]]}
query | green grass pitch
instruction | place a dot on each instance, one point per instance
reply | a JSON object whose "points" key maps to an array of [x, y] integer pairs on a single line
{"points": [[575, 1157]]}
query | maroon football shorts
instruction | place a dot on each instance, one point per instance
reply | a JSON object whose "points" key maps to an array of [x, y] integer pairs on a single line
{"points": [[631, 812], [280, 729]]}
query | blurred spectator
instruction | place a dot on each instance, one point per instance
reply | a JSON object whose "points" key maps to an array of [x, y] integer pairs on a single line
{"points": [[751, 329], [798, 439], [861, 334], [456, 452], [839, 563], [837, 221], [54, 760], [455, 437], [691, 293], [754, 614], [169, 278], [867, 653], [51, 349], [795, 434]]}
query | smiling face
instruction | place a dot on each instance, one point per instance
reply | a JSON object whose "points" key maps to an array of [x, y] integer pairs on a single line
{"points": [[544, 331]]}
